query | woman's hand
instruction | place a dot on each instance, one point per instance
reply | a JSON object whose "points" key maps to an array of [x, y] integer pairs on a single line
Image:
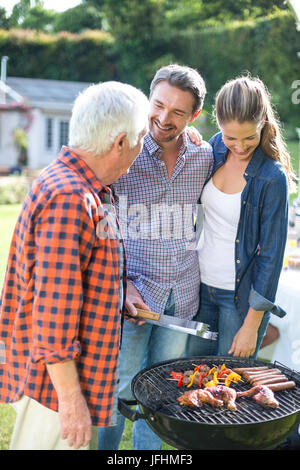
{"points": [[133, 300], [194, 135], [245, 340]]}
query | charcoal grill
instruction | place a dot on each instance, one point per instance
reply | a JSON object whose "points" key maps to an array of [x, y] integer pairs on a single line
{"points": [[251, 427]]}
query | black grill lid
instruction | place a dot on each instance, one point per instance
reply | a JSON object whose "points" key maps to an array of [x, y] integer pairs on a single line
{"points": [[152, 390]]}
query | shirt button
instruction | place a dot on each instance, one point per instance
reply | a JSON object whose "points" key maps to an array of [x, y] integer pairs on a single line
{"points": [[237, 241], [244, 202], [238, 280], [236, 297], [238, 261]]}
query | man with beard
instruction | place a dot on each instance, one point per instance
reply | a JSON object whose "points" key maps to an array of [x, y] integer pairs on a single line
{"points": [[156, 201]]}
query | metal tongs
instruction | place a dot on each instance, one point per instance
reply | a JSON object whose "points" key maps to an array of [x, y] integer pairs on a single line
{"points": [[189, 327]]}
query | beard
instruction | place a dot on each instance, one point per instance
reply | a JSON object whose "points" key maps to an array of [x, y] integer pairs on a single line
{"points": [[161, 136]]}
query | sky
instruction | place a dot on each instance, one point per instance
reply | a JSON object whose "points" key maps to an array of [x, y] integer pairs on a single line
{"points": [[58, 5]]}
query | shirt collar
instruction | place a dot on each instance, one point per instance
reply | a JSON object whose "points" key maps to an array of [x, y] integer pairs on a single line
{"points": [[73, 161], [155, 150], [220, 152]]}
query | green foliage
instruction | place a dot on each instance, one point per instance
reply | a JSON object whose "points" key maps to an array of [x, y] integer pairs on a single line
{"points": [[141, 39], [191, 14], [39, 19], [7, 419], [65, 56], [139, 30], [266, 48], [13, 189], [21, 10], [4, 22], [78, 19]]}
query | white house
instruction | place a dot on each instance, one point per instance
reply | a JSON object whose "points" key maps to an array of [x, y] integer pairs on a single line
{"points": [[43, 109]]}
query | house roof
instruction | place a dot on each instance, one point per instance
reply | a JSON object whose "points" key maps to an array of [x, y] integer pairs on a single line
{"points": [[47, 94]]}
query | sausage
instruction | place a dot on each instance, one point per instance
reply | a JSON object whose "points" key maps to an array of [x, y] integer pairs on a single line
{"points": [[267, 377], [264, 377], [264, 371], [271, 380], [241, 370], [260, 372], [282, 386], [250, 378]]}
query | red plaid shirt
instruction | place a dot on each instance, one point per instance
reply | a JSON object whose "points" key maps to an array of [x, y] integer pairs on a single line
{"points": [[61, 294]]}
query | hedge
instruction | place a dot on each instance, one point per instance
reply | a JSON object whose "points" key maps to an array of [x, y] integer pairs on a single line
{"points": [[266, 48], [65, 56]]}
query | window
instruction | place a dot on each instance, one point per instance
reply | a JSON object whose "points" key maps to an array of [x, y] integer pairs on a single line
{"points": [[49, 133], [63, 133]]}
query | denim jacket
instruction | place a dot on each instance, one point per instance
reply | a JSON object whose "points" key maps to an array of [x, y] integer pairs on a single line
{"points": [[262, 230]]}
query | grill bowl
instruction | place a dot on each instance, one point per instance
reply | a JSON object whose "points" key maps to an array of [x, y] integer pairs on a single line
{"points": [[251, 427]]}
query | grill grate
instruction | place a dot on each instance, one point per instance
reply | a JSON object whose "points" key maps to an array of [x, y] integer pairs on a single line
{"points": [[152, 390]]}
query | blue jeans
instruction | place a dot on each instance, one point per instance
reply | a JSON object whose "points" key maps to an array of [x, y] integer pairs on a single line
{"points": [[217, 308], [142, 346]]}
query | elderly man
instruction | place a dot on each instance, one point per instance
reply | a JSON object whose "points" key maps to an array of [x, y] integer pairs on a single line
{"points": [[156, 201], [62, 299]]}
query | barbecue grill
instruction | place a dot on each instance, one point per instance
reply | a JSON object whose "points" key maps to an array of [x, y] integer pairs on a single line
{"points": [[251, 427]]}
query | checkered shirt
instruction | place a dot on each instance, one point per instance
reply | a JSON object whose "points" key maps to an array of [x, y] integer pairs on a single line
{"points": [[61, 294], [160, 245]]}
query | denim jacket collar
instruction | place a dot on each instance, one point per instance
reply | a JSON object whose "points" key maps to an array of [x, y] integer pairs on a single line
{"points": [[220, 153]]}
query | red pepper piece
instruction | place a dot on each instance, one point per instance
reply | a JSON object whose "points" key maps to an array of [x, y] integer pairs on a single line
{"points": [[200, 380], [176, 375], [224, 371], [180, 381]]}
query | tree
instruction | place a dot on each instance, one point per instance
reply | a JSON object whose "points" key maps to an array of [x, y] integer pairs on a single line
{"points": [[39, 19], [189, 14], [4, 23], [18, 12], [138, 28], [78, 18]]}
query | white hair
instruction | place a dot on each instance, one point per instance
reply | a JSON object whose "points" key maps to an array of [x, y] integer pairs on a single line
{"points": [[103, 111]]}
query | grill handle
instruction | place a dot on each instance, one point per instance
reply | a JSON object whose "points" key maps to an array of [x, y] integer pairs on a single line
{"points": [[124, 408]]}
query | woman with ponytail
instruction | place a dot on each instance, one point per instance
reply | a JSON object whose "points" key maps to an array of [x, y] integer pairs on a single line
{"points": [[245, 206]]}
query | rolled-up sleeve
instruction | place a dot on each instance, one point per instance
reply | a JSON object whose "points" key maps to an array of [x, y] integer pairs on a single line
{"points": [[64, 233]]}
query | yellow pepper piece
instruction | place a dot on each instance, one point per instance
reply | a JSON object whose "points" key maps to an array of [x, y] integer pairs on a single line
{"points": [[214, 381], [211, 383], [211, 370], [232, 377], [192, 377]]}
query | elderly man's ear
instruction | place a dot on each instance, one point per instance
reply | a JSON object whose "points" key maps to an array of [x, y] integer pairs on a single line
{"points": [[121, 143]]}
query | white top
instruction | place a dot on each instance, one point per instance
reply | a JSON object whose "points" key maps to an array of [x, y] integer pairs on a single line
{"points": [[217, 242]]}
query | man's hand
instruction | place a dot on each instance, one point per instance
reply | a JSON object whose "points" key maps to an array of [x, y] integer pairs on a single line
{"points": [[75, 418], [133, 300]]}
